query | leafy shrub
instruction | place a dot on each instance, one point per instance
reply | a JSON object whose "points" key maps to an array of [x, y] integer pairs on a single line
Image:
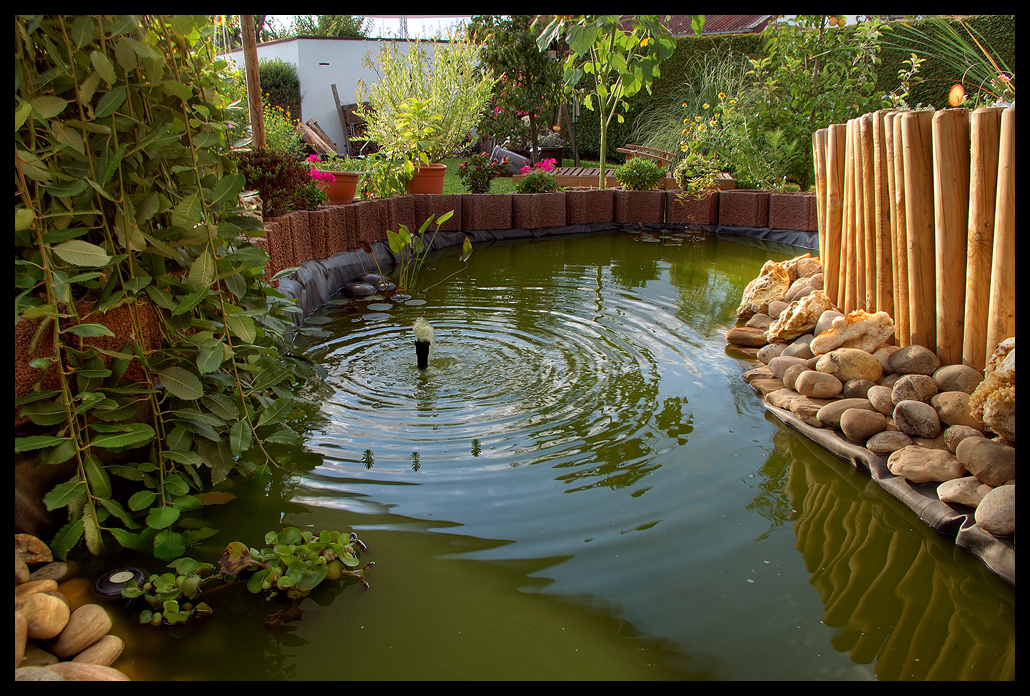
{"points": [[640, 174], [538, 178], [479, 170], [284, 182], [280, 84]]}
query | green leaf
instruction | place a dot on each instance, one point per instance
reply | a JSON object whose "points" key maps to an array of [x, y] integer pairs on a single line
{"points": [[48, 106], [241, 437], [242, 327], [141, 500], [81, 253], [210, 358], [189, 211], [135, 434], [126, 539], [90, 330], [63, 494], [103, 65], [162, 517], [66, 539], [276, 411], [97, 477], [190, 301], [110, 102], [181, 383], [34, 442], [169, 545], [228, 187], [202, 270]]}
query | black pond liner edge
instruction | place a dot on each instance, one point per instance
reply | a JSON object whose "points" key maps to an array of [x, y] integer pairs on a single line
{"points": [[318, 281]]}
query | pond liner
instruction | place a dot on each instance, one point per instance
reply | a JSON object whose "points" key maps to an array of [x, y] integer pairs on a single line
{"points": [[997, 553]]}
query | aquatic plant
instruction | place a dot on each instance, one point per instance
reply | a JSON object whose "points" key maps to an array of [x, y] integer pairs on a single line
{"points": [[412, 249]]}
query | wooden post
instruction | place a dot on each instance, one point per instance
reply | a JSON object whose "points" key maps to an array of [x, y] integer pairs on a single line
{"points": [[819, 158], [951, 218], [1001, 323], [250, 62], [917, 145], [899, 235], [984, 132], [836, 144], [867, 298], [847, 257], [882, 216]]}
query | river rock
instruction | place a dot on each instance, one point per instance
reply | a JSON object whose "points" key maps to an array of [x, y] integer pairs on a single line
{"points": [[759, 321], [880, 397], [772, 283], [859, 329], [996, 513], [913, 387], [32, 587], [887, 441], [791, 374], [914, 360], [883, 354], [779, 365], [794, 291], [859, 424], [850, 363], [957, 378], [807, 266], [32, 550], [830, 414], [770, 351], [817, 384], [746, 336], [917, 419], [87, 624], [45, 615], [923, 465], [954, 434], [857, 388], [782, 398], [953, 409], [82, 671], [776, 308], [807, 410], [32, 673], [799, 317], [816, 281], [104, 652], [800, 348], [826, 320], [967, 490], [990, 461]]}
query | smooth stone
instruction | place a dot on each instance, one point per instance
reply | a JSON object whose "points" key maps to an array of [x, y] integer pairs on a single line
{"points": [[356, 289], [779, 364], [57, 571], [830, 414], [889, 380], [996, 513], [36, 674], [850, 363], [961, 378], [858, 424], [922, 465], [914, 360], [808, 266], [954, 434], [770, 351], [32, 587], [104, 652], [762, 372], [807, 410], [857, 389], [917, 419], [913, 387], [967, 490], [776, 308], [45, 615], [746, 336], [21, 634], [87, 624], [887, 441], [817, 384], [765, 387], [791, 374], [880, 397], [759, 321], [826, 321], [32, 550], [800, 348], [795, 289], [883, 354], [816, 281], [953, 409], [990, 461], [82, 671], [783, 398]]}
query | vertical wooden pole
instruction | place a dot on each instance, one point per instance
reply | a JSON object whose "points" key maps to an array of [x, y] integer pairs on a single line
{"points": [[917, 145], [984, 125], [1001, 322], [867, 298], [250, 61], [847, 259], [819, 158], [836, 144], [899, 233], [951, 218], [882, 216]]}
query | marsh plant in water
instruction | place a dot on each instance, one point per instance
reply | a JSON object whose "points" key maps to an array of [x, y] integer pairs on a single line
{"points": [[412, 249]]}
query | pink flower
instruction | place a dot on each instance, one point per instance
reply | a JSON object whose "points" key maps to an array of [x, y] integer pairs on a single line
{"points": [[525, 170], [313, 158], [319, 175]]}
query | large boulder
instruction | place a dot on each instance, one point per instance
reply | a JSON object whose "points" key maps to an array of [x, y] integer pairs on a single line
{"points": [[799, 318], [850, 363], [923, 464], [771, 284], [859, 329]]}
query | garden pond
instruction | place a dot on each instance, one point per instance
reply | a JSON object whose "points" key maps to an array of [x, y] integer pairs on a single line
{"points": [[580, 486]]}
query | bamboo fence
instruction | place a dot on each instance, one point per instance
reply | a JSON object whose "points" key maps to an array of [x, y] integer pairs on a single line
{"points": [[917, 218]]}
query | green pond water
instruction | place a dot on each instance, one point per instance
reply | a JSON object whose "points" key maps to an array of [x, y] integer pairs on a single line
{"points": [[581, 486]]}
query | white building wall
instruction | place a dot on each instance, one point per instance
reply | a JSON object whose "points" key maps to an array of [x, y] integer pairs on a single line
{"points": [[320, 63]]}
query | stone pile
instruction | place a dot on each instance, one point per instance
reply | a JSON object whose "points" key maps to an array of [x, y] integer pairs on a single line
{"points": [[52, 642], [947, 424]]}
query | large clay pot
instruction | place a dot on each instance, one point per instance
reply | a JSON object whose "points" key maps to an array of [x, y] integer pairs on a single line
{"points": [[427, 179], [342, 191]]}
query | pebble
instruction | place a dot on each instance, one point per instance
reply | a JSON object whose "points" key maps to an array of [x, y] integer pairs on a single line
{"points": [[913, 388], [888, 441], [990, 461], [917, 419], [923, 465], [914, 359], [996, 513], [859, 424], [957, 378]]}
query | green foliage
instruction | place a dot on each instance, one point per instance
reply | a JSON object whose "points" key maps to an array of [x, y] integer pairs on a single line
{"points": [[280, 85], [537, 181], [479, 170], [125, 201], [640, 174], [328, 25], [284, 182], [293, 561], [412, 248], [621, 62], [695, 175]]}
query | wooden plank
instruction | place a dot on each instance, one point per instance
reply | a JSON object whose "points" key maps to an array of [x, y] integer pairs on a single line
{"points": [[343, 119]]}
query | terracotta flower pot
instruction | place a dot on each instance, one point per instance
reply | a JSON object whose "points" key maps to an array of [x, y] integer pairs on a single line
{"points": [[341, 192], [427, 179]]}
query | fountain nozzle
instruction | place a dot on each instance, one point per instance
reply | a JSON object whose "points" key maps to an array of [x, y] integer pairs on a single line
{"points": [[423, 342]]}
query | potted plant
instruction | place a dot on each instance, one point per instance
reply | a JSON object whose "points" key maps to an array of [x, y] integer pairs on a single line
{"points": [[423, 106], [640, 174], [479, 170], [551, 146], [336, 176], [696, 203], [544, 206]]}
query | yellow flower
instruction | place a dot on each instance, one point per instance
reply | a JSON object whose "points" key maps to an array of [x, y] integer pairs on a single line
{"points": [[683, 146], [722, 95], [686, 120], [685, 131], [706, 105], [684, 104], [644, 41], [711, 123], [733, 101]]}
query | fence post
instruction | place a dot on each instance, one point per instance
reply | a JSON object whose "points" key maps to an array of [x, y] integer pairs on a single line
{"points": [[951, 218], [836, 144], [882, 216], [917, 145], [984, 125], [1002, 312], [899, 235], [867, 250], [849, 243], [819, 159]]}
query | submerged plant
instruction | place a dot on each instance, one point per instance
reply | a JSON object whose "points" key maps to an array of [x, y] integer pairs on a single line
{"points": [[412, 249], [293, 561]]}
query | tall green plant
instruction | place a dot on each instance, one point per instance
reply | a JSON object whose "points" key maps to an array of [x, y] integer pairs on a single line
{"points": [[125, 199], [620, 61]]}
